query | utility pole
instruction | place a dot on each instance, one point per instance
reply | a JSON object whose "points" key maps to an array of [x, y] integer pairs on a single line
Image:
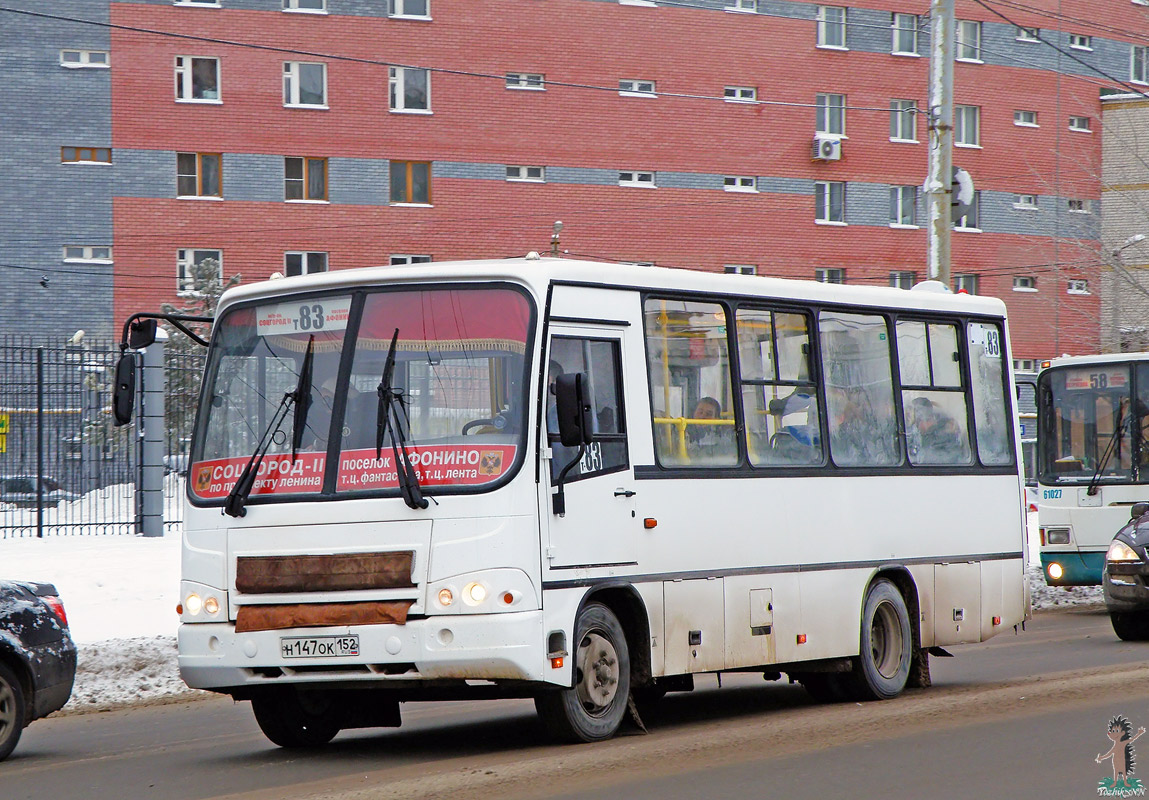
{"points": [[939, 184]]}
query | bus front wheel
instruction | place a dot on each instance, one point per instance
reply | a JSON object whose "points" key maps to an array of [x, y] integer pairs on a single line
{"points": [[297, 719], [883, 665], [593, 708]]}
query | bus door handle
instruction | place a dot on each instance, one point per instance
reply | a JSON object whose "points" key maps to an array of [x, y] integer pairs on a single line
{"points": [[624, 493]]}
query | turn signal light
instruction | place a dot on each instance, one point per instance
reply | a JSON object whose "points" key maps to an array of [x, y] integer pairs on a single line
{"points": [[801, 638], [557, 663], [997, 620], [650, 522]]}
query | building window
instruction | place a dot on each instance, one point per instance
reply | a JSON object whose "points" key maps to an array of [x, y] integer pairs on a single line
{"points": [[76, 59], [631, 87], [830, 275], [903, 120], [1077, 287], [1025, 202], [198, 175], [1079, 41], [410, 89], [1080, 124], [830, 114], [743, 5], [86, 155], [740, 94], [904, 205], [304, 84], [1027, 34], [197, 79], [206, 3], [304, 263], [832, 27], [971, 221], [967, 130], [1024, 283], [905, 27], [1025, 119], [968, 36], [411, 182], [903, 279], [304, 178], [420, 9], [1139, 70], [1025, 365], [399, 260], [526, 80], [527, 174], [633, 178], [312, 6], [965, 283], [740, 183], [76, 254], [1079, 206], [830, 202], [190, 263], [740, 269]]}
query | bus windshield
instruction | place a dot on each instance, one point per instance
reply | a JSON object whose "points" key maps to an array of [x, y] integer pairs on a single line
{"points": [[1091, 424], [459, 371]]}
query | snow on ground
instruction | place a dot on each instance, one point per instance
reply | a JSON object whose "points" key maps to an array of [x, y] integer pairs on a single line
{"points": [[120, 594]]}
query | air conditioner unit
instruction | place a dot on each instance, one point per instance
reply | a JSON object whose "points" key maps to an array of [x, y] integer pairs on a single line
{"points": [[826, 149]]}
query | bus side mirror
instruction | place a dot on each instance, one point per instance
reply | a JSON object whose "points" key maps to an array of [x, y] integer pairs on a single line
{"points": [[1138, 510], [142, 334], [573, 410], [124, 394]]}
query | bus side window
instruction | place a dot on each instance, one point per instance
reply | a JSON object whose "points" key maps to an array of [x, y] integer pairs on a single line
{"points": [[987, 375]]}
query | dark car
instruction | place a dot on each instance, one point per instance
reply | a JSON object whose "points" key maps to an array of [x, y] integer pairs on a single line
{"points": [[37, 657], [20, 490]]}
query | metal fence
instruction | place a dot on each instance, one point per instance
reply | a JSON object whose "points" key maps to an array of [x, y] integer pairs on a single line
{"points": [[56, 425]]}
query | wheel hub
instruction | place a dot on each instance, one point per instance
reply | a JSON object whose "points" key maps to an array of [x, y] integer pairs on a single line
{"points": [[598, 663]]}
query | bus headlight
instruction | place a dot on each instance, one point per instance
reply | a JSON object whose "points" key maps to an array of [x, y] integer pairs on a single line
{"points": [[1055, 535], [1119, 551], [483, 593], [201, 603]]}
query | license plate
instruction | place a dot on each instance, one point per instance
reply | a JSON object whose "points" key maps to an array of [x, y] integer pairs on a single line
{"points": [[319, 646]]}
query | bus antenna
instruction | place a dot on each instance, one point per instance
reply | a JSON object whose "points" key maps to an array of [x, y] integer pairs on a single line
{"points": [[555, 238]]}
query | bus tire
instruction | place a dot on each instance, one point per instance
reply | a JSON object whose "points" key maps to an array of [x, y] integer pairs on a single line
{"points": [[1130, 626], [886, 646], [13, 711], [594, 707], [295, 719]]}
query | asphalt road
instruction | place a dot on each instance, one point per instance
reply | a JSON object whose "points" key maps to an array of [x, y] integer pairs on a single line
{"points": [[1019, 716]]}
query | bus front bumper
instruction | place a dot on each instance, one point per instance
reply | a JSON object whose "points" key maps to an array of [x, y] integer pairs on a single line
{"points": [[1077, 569], [508, 646]]}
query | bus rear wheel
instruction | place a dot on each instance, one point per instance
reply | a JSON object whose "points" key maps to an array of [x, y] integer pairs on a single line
{"points": [[297, 719], [594, 707], [883, 664]]}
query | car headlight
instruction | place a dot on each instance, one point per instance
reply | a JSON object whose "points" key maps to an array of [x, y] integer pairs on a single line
{"points": [[1119, 551]]}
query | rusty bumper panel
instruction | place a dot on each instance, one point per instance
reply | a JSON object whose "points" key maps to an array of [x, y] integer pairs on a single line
{"points": [[345, 572], [316, 615]]}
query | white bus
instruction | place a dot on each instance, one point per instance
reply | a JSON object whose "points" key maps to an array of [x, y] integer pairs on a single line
{"points": [[1093, 459], [387, 501]]}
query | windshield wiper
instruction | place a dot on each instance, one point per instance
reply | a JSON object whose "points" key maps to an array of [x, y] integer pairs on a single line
{"points": [[1114, 443], [301, 399], [391, 406]]}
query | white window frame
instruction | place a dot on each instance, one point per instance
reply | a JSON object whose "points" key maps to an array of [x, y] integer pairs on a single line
{"points": [[84, 60], [965, 280], [897, 204], [825, 105], [636, 87], [835, 275], [740, 94], [824, 197], [899, 114], [198, 3], [830, 29], [1025, 118], [403, 259], [397, 9], [397, 87], [185, 260], [305, 262], [1139, 63], [293, 7], [1024, 283], [1026, 34], [525, 174], [900, 278], [87, 254], [184, 83], [1086, 207], [743, 6], [643, 179], [740, 183], [527, 81], [1077, 286], [740, 269], [962, 223], [965, 50], [1025, 202], [1076, 119], [962, 125], [291, 84], [898, 29], [1025, 365], [1080, 41]]}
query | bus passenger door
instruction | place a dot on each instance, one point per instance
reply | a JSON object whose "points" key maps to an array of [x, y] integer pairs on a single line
{"points": [[599, 525]]}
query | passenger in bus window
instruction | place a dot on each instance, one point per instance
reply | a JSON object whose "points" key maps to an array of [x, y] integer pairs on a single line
{"points": [[709, 442], [936, 437]]}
